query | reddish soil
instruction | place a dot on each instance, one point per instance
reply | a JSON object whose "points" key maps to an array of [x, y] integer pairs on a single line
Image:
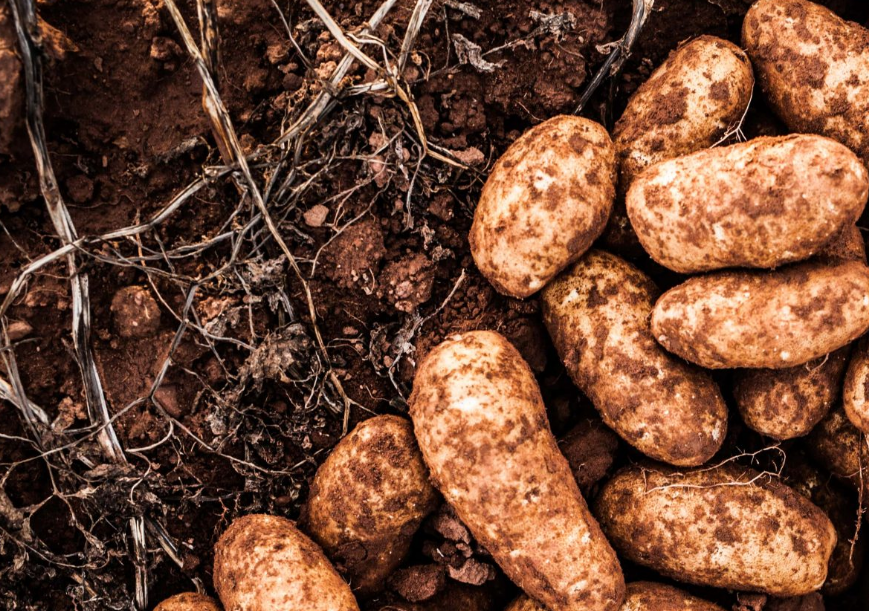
{"points": [[243, 413]]}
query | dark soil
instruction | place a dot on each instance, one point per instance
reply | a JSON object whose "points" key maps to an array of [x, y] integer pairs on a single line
{"points": [[221, 397]]}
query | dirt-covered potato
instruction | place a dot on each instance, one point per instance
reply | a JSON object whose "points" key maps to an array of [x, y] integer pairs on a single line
{"points": [[688, 104], [724, 526], [597, 313], [481, 425], [855, 395], [812, 66], [770, 319], [547, 199], [760, 204], [264, 563], [788, 403], [188, 601], [841, 448], [378, 471], [641, 596]]}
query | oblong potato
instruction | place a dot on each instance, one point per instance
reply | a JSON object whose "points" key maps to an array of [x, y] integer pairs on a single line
{"points": [[788, 403], [597, 313], [767, 320], [688, 104], [641, 596], [812, 67], [378, 471], [547, 199], [188, 601], [724, 526], [841, 448], [264, 563], [855, 395], [482, 428], [760, 204]]}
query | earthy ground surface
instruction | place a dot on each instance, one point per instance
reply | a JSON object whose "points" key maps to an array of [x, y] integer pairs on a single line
{"points": [[222, 390]]}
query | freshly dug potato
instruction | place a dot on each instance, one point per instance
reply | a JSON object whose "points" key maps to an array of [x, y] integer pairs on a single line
{"points": [[812, 66], [760, 204], [547, 199], [597, 313], [377, 471], [764, 319], [841, 448], [724, 526], [482, 428], [855, 395], [788, 403], [688, 104], [264, 563], [188, 601], [641, 596]]}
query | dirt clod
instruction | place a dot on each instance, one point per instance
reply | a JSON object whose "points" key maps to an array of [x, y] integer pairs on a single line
{"points": [[136, 313]]}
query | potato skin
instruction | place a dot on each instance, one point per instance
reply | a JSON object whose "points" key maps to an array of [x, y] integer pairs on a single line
{"points": [[547, 199], [264, 563], [377, 470], [812, 67], [724, 526], [188, 601], [481, 425], [759, 204], [641, 596], [788, 403], [855, 395], [841, 448], [769, 320], [597, 313]]}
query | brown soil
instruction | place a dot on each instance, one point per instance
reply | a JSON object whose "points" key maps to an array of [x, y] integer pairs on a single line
{"points": [[222, 398]]}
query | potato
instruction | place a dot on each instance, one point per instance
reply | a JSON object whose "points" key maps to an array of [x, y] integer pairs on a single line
{"points": [[547, 199], [597, 313], [188, 601], [842, 449], [848, 246], [764, 319], [758, 204], [812, 67], [641, 596], [788, 403], [482, 428], [377, 471], [725, 526], [855, 397], [688, 104], [264, 563]]}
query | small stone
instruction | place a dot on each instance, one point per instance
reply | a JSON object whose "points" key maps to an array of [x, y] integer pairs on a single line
{"points": [[316, 216], [167, 397], [18, 330]]}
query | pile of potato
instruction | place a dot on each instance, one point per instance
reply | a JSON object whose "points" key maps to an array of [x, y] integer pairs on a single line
{"points": [[773, 284]]}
